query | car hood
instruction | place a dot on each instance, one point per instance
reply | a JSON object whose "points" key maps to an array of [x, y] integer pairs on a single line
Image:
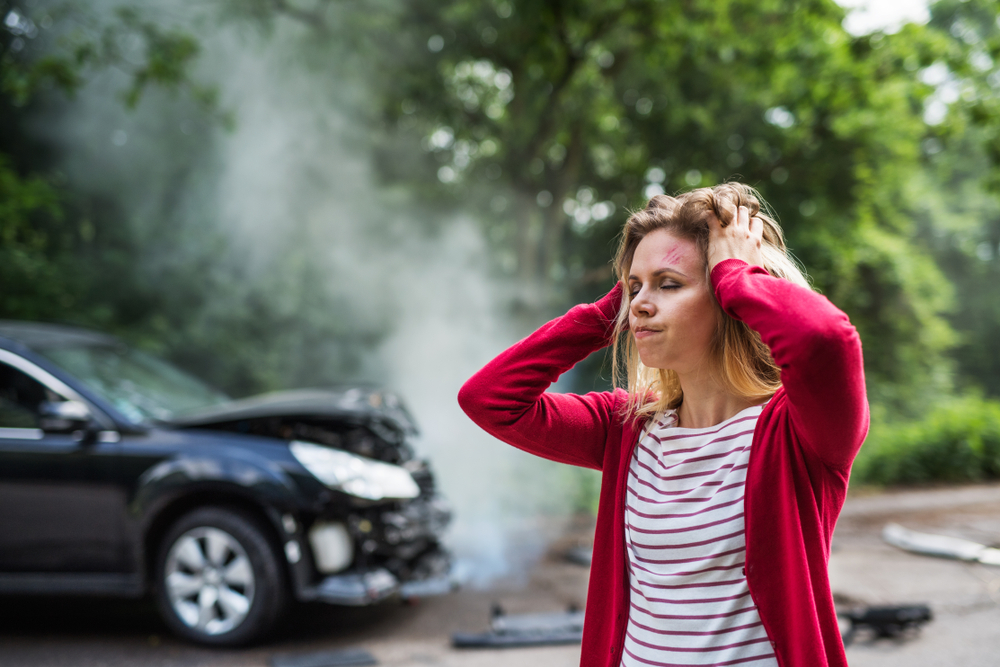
{"points": [[356, 403]]}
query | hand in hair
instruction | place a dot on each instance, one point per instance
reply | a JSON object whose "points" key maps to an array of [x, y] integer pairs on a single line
{"points": [[740, 238]]}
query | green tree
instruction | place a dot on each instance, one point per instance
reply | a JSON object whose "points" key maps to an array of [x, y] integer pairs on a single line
{"points": [[563, 116], [163, 277], [960, 216], [550, 121], [45, 55]]}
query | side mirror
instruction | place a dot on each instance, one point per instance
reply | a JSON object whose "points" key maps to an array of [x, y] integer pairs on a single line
{"points": [[64, 416]]}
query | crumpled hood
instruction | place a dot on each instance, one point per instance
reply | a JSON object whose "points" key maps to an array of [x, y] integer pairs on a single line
{"points": [[358, 403]]}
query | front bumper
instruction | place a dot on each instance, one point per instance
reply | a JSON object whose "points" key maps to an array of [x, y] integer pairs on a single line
{"points": [[369, 586], [390, 549]]}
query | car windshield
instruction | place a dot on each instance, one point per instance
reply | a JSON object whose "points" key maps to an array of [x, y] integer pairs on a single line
{"points": [[142, 387]]}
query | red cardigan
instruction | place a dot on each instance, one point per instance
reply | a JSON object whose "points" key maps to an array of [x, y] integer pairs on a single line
{"points": [[800, 459]]}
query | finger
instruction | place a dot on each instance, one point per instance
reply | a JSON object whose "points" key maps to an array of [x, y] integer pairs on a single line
{"points": [[743, 219], [715, 223], [756, 227], [733, 215]]}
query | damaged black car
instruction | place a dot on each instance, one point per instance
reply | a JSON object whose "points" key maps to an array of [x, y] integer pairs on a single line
{"points": [[121, 475]]}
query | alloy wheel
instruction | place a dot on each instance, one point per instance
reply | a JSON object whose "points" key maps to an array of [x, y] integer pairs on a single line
{"points": [[209, 580]]}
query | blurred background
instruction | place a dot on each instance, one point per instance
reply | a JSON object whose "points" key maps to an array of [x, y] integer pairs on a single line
{"points": [[295, 193]]}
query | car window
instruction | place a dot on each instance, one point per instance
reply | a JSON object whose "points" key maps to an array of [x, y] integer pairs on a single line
{"points": [[21, 397], [140, 386]]}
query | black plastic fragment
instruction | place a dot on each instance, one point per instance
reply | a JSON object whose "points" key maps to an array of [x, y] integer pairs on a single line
{"points": [[579, 555], [514, 640], [519, 630], [344, 658], [889, 621]]}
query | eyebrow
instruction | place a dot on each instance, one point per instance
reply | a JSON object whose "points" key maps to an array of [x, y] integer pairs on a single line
{"points": [[660, 272]]}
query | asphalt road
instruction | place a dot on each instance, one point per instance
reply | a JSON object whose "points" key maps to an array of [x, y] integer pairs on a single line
{"points": [[965, 599]]}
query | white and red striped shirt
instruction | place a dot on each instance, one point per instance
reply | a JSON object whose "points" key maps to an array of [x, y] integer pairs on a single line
{"points": [[684, 532]]}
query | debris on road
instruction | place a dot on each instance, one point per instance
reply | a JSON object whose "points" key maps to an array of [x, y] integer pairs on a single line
{"points": [[579, 555], [519, 630], [939, 545], [886, 621], [352, 657]]}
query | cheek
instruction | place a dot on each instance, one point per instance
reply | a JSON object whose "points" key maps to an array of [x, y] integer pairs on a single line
{"points": [[702, 317]]}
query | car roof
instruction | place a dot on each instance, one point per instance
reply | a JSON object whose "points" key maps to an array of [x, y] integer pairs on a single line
{"points": [[40, 335]]}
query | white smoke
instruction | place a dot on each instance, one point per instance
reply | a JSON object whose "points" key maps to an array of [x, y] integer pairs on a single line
{"points": [[290, 163], [292, 187]]}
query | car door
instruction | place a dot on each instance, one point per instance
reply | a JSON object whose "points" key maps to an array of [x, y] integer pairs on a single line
{"points": [[55, 514]]}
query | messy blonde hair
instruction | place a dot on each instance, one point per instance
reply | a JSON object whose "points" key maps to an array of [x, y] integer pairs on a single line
{"points": [[743, 363]]}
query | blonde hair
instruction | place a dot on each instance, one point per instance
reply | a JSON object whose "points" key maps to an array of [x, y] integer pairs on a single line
{"points": [[743, 362]]}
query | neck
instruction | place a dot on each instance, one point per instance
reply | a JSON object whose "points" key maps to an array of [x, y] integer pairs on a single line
{"points": [[706, 403]]}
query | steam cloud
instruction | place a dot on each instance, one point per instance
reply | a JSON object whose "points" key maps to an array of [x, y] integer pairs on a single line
{"points": [[292, 193]]}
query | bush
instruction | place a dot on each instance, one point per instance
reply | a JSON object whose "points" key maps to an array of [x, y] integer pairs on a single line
{"points": [[958, 441]]}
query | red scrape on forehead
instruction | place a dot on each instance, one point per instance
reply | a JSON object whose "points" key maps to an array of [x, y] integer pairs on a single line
{"points": [[674, 256]]}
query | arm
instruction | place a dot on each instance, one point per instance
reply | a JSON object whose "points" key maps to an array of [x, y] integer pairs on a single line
{"points": [[817, 349], [507, 397]]}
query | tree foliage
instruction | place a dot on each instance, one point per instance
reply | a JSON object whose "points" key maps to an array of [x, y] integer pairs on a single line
{"points": [[42, 227], [551, 121], [957, 440], [574, 112]]}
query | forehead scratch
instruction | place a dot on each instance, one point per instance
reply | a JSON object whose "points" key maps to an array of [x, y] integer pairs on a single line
{"points": [[674, 256]]}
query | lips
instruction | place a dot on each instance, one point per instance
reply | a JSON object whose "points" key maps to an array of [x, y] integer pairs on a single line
{"points": [[644, 332]]}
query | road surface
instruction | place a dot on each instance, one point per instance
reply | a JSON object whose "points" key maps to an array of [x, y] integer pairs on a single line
{"points": [[965, 599]]}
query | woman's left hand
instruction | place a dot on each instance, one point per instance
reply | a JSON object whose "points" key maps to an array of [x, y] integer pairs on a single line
{"points": [[740, 239]]}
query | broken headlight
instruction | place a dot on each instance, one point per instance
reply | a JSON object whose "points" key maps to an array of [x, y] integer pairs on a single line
{"points": [[355, 475]]}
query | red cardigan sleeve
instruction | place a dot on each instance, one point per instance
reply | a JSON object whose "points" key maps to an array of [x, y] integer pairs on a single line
{"points": [[507, 397], [817, 350]]}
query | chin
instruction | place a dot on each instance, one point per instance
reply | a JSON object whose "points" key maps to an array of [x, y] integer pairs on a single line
{"points": [[654, 362]]}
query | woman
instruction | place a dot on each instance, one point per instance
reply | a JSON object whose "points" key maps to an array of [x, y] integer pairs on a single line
{"points": [[725, 463]]}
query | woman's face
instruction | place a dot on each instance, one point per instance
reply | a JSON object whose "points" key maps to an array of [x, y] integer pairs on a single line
{"points": [[672, 313]]}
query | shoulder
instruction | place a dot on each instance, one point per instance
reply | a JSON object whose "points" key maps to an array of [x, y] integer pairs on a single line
{"points": [[774, 407]]}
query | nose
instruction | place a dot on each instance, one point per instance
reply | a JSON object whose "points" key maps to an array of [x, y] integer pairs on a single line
{"points": [[641, 304]]}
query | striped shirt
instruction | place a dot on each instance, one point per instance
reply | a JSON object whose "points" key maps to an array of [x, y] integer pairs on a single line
{"points": [[684, 532]]}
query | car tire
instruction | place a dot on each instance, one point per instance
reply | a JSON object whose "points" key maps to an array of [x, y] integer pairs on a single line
{"points": [[218, 579]]}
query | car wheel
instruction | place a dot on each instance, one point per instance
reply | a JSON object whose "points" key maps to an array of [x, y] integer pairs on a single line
{"points": [[219, 580]]}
